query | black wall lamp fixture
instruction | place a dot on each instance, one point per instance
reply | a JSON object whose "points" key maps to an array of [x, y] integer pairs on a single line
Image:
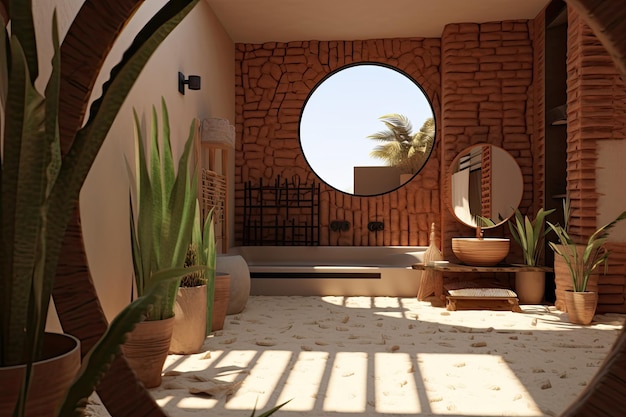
{"points": [[193, 82]]}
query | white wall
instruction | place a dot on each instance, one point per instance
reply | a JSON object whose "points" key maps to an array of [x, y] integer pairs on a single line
{"points": [[198, 46]]}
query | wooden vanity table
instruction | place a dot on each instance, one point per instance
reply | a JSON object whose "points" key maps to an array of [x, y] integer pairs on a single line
{"points": [[479, 298]]}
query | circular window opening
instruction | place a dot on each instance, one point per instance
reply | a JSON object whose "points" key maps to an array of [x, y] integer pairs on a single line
{"points": [[367, 129]]}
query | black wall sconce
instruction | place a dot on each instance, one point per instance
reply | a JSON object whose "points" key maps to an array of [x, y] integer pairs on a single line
{"points": [[193, 82]]}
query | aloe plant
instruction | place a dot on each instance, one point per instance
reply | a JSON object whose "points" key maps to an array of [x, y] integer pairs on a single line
{"points": [[164, 202], [39, 188], [581, 264], [530, 234]]}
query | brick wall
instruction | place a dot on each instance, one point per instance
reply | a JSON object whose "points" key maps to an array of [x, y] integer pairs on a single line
{"points": [[487, 81], [596, 99], [487, 70], [538, 107]]}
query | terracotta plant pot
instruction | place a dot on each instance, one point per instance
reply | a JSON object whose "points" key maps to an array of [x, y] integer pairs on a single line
{"points": [[146, 349], [581, 306], [51, 377], [530, 286], [220, 300], [189, 329]]}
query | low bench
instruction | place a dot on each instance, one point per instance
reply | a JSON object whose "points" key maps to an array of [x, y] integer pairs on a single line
{"points": [[483, 298]]}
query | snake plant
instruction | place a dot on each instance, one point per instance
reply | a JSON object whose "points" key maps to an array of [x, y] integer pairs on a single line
{"points": [[162, 213], [203, 238], [39, 188]]}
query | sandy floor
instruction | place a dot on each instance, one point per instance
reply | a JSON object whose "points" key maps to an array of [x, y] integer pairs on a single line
{"points": [[348, 356]]}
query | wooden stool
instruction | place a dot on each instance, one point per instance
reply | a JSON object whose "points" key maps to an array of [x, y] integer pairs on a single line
{"points": [[483, 299]]}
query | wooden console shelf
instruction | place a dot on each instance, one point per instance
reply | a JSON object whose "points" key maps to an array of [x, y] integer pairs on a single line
{"points": [[480, 298], [450, 267]]}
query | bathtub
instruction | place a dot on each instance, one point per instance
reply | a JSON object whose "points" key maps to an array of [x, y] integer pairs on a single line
{"points": [[333, 270]]}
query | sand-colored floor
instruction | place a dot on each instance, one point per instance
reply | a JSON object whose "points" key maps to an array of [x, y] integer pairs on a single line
{"points": [[349, 356]]}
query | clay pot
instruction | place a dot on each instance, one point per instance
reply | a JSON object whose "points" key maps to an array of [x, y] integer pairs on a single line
{"points": [[51, 377], [189, 329], [146, 349], [220, 300], [530, 286], [581, 306]]}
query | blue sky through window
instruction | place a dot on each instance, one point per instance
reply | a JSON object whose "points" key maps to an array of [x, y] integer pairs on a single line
{"points": [[345, 108]]}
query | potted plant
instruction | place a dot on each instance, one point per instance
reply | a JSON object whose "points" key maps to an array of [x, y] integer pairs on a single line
{"points": [[581, 260], [190, 309], [218, 283], [163, 200], [530, 236], [39, 189], [194, 300]]}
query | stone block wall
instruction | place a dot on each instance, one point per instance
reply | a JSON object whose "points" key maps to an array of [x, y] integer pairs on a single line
{"points": [[273, 82]]}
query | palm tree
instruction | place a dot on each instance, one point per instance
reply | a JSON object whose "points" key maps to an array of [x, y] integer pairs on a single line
{"points": [[401, 147]]}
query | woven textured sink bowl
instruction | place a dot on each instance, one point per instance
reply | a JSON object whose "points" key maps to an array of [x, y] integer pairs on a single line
{"points": [[480, 252]]}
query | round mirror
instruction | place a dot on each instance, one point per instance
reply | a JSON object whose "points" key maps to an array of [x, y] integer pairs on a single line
{"points": [[486, 185], [366, 129]]}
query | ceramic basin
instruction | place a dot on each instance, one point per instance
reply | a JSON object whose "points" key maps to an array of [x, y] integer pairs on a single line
{"points": [[480, 251]]}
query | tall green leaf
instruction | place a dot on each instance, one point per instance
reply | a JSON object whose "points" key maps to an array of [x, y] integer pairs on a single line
{"points": [[161, 229], [529, 234], [80, 157], [39, 190]]}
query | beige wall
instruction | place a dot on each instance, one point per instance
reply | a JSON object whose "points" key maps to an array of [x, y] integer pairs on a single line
{"points": [[199, 46]]}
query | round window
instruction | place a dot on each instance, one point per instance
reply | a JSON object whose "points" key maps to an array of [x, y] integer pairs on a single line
{"points": [[367, 129]]}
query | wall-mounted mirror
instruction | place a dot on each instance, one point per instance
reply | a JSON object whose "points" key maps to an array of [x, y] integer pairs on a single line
{"points": [[367, 129], [486, 186]]}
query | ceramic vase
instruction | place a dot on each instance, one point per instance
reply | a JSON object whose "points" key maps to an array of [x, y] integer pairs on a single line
{"points": [[237, 267]]}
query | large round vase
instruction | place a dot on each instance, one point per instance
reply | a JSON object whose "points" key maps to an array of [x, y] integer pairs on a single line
{"points": [[51, 377], [581, 306], [530, 286], [146, 349], [189, 329], [237, 267]]}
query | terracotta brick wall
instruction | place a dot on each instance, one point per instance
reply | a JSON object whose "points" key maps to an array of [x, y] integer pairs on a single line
{"points": [[273, 82], [596, 99], [492, 76], [487, 70], [487, 80]]}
